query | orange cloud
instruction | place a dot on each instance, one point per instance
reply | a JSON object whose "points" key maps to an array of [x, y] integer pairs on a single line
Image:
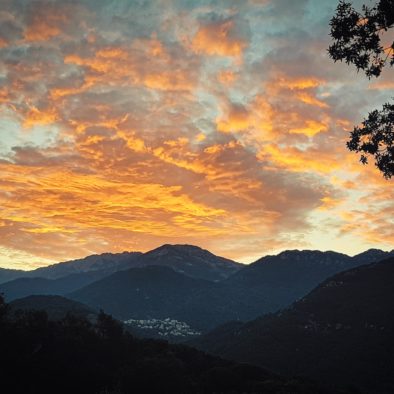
{"points": [[298, 82], [64, 202], [159, 140], [4, 95], [307, 98], [117, 65], [295, 159], [112, 53], [167, 81], [226, 77], [310, 129], [3, 42], [382, 85], [329, 203], [45, 23], [218, 39], [236, 119], [39, 117]]}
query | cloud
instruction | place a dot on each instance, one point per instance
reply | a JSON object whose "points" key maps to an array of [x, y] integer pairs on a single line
{"points": [[125, 125], [218, 38], [236, 119]]}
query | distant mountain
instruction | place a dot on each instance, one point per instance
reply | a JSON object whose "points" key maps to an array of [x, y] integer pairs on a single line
{"points": [[270, 284], [371, 255], [191, 261], [23, 287], [106, 262], [66, 277], [56, 307], [274, 282], [340, 333], [145, 293], [187, 259], [10, 274]]}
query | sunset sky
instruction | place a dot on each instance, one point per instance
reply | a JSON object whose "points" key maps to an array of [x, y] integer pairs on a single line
{"points": [[128, 124]]}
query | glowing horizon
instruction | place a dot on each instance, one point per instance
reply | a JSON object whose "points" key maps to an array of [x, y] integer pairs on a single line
{"points": [[126, 125]]}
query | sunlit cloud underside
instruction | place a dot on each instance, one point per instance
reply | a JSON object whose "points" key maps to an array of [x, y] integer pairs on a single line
{"points": [[128, 124]]}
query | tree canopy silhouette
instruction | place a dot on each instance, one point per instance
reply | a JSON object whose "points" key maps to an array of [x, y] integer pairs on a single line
{"points": [[358, 40]]}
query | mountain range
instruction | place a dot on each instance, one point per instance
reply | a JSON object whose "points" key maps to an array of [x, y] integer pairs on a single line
{"points": [[65, 277], [324, 316], [187, 259], [269, 284], [340, 333], [187, 283]]}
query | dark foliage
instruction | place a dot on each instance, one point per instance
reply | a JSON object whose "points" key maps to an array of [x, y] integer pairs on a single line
{"points": [[357, 41], [376, 138], [357, 36], [76, 356]]}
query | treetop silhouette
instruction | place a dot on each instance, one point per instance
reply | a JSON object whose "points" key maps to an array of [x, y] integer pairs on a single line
{"points": [[358, 40]]}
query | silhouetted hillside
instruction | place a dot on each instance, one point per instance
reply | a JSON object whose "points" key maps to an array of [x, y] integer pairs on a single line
{"points": [[75, 356], [56, 307], [342, 332]]}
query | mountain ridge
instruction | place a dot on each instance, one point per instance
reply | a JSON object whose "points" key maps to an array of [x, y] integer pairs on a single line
{"points": [[201, 263], [254, 290], [341, 332]]}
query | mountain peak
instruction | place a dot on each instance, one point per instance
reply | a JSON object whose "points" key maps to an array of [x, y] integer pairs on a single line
{"points": [[305, 256], [372, 254], [177, 248], [191, 260]]}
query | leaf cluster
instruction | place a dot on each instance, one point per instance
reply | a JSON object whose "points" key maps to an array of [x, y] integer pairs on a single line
{"points": [[375, 137], [357, 40], [357, 36]]}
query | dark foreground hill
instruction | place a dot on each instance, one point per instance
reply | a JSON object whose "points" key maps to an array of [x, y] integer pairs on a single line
{"points": [[342, 332], [76, 356], [55, 307]]}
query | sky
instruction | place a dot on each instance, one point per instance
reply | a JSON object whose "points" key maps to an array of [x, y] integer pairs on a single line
{"points": [[129, 124]]}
